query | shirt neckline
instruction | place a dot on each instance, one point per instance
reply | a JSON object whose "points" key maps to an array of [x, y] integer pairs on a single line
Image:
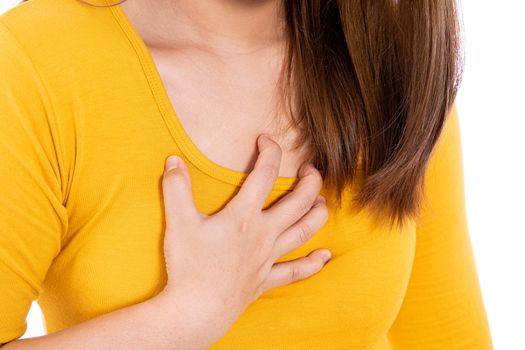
{"points": [[177, 132]]}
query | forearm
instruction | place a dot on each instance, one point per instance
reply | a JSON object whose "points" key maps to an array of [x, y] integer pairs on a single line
{"points": [[157, 323]]}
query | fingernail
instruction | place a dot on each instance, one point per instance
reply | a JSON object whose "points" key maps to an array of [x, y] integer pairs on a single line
{"points": [[264, 138], [172, 162], [318, 200], [305, 167], [326, 256]]}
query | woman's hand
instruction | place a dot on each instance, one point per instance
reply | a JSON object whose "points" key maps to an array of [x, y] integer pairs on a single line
{"points": [[217, 265], [221, 263]]}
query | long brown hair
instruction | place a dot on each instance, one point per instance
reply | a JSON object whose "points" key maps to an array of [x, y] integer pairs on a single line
{"points": [[372, 83]]}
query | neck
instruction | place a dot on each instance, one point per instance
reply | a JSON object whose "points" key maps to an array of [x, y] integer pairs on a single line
{"points": [[226, 26]]}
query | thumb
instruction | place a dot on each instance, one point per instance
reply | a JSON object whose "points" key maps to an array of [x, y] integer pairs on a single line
{"points": [[179, 206]]}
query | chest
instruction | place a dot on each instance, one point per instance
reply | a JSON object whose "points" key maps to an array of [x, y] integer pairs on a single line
{"points": [[114, 258], [224, 104], [113, 253]]}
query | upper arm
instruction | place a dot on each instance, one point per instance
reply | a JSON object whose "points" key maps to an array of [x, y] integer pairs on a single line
{"points": [[32, 217], [443, 306]]}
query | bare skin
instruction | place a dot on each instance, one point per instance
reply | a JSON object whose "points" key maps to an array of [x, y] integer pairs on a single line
{"points": [[219, 61], [233, 46]]}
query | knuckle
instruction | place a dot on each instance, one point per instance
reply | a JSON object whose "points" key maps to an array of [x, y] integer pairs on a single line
{"points": [[172, 177], [294, 272], [244, 223], [305, 232], [269, 171], [303, 205]]}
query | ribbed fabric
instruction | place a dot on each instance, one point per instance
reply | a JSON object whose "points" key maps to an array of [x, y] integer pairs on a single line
{"points": [[86, 125]]}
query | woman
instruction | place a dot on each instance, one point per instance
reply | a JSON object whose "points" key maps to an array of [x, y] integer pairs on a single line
{"points": [[126, 215]]}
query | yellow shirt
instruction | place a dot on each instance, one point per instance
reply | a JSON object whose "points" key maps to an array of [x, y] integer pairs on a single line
{"points": [[86, 126]]}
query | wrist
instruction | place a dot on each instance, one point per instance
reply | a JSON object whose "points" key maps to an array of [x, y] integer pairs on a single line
{"points": [[200, 319]]}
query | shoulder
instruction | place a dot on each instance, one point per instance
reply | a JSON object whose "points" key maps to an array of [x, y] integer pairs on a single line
{"points": [[39, 21], [44, 49], [56, 33], [29, 45], [57, 47]]}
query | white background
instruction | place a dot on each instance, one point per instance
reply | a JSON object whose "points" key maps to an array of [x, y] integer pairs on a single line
{"points": [[491, 106]]}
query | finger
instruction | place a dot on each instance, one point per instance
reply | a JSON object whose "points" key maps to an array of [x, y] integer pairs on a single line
{"points": [[177, 191], [304, 229], [260, 181], [294, 270], [290, 208]]}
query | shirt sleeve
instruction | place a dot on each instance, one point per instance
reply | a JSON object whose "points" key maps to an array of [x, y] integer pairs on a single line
{"points": [[443, 306], [32, 217]]}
